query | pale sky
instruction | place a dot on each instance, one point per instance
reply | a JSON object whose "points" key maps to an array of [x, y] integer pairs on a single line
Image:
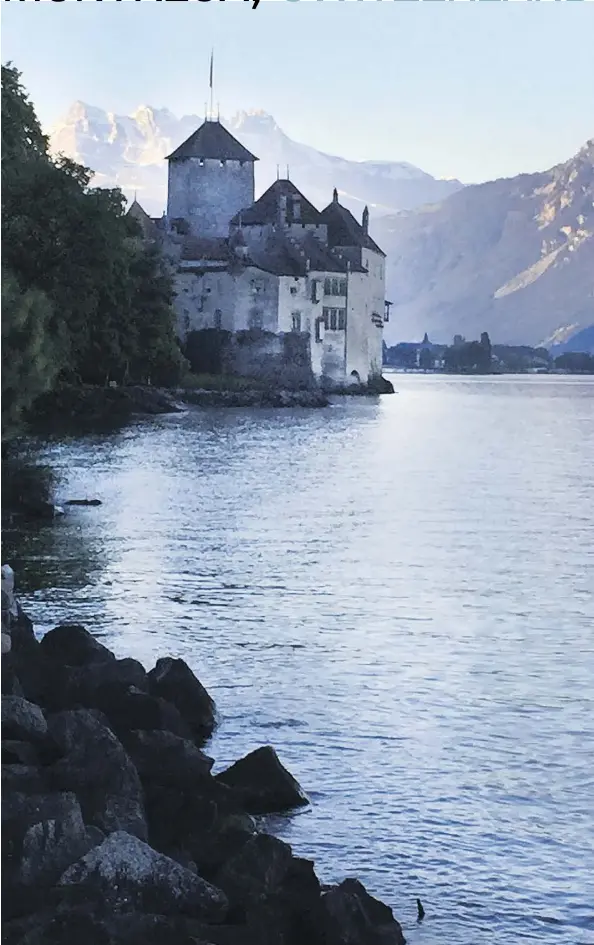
{"points": [[473, 90]]}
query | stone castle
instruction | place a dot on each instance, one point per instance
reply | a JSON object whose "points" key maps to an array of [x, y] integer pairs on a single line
{"points": [[294, 278]]}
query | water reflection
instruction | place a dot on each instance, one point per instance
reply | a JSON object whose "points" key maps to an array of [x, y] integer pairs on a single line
{"points": [[398, 595]]}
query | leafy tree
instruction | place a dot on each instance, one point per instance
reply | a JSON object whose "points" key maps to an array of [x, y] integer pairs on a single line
{"points": [[575, 363], [426, 359], [27, 336], [101, 301], [471, 357]]}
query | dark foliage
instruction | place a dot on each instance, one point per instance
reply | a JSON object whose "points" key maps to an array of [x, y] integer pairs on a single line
{"points": [[84, 298]]}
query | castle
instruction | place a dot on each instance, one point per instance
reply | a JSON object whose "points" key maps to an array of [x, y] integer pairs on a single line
{"points": [[302, 280]]}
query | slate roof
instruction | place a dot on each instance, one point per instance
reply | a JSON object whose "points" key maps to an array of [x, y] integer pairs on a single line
{"points": [[280, 256], [212, 141], [213, 249], [344, 229], [146, 223], [266, 208]]}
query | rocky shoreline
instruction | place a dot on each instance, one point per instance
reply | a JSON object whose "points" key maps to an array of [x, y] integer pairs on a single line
{"points": [[115, 830], [81, 408]]}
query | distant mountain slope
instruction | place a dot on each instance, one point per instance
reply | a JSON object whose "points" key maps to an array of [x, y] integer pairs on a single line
{"points": [[582, 341], [512, 257], [129, 151]]}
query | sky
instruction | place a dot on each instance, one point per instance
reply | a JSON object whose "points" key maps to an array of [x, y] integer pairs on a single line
{"points": [[467, 90]]}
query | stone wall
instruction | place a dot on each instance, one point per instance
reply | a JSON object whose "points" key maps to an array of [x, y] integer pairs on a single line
{"points": [[280, 361], [208, 193]]}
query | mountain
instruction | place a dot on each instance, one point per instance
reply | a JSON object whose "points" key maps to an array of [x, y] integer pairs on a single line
{"points": [[513, 257], [581, 342], [129, 151]]}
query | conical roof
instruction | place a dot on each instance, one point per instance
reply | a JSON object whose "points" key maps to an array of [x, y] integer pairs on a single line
{"points": [[212, 141]]}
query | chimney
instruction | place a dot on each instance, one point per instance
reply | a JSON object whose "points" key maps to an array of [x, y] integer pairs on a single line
{"points": [[365, 221]]}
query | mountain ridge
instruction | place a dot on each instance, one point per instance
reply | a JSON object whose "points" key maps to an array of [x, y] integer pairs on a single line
{"points": [[129, 151], [514, 257]]}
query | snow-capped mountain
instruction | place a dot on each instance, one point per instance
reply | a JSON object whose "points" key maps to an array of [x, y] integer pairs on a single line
{"points": [[129, 151], [513, 257]]}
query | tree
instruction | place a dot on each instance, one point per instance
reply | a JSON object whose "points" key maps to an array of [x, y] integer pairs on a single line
{"points": [[426, 359], [108, 300], [471, 357], [34, 350]]}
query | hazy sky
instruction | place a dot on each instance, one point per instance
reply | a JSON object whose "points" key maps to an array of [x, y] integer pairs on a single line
{"points": [[473, 91]]}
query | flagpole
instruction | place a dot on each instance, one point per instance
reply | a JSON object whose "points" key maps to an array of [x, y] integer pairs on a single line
{"points": [[211, 83]]}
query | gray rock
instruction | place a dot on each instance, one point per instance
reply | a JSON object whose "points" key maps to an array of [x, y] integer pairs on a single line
{"points": [[164, 758], [257, 869], [134, 877], [174, 681], [19, 753], [97, 767], [42, 836], [127, 708], [21, 720], [265, 786], [25, 779], [72, 645], [352, 917]]}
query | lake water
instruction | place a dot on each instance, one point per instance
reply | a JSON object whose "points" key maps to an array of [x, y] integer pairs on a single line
{"points": [[399, 596]]}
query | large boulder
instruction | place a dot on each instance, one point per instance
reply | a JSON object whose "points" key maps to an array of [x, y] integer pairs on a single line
{"points": [[182, 819], [131, 876], [350, 916], [226, 836], [19, 753], [73, 645], [264, 785], [164, 758], [41, 836], [22, 720], [25, 779], [11, 685], [129, 709], [174, 681], [96, 766], [86, 681], [255, 871]]}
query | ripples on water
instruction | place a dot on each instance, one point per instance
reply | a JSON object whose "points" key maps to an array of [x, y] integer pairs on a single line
{"points": [[399, 597]]}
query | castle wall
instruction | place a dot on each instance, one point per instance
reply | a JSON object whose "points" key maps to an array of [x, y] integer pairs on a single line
{"points": [[231, 301], [208, 193], [375, 263]]}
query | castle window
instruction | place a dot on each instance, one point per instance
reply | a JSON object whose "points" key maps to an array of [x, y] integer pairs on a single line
{"points": [[327, 286], [326, 318], [256, 319], [333, 318], [296, 321], [343, 287], [314, 290], [319, 323], [341, 319], [293, 290]]}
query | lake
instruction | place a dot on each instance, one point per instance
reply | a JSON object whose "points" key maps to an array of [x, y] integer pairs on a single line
{"points": [[396, 594]]}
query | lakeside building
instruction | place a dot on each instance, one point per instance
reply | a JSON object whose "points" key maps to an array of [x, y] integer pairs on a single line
{"points": [[304, 284]]}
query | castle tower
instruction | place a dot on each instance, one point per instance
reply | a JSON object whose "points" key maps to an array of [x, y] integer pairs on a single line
{"points": [[211, 178]]}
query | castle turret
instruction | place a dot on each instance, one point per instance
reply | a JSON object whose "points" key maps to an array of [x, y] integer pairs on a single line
{"points": [[211, 178], [365, 221]]}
